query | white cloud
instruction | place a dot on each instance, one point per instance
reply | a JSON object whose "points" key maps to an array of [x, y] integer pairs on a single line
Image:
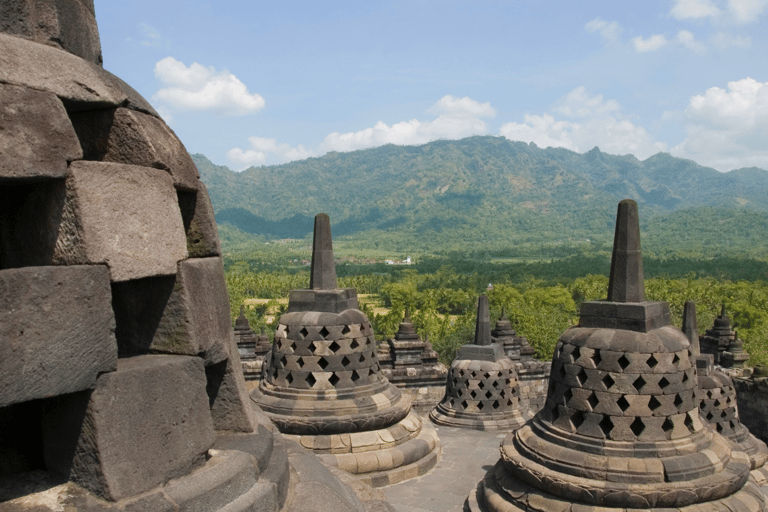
{"points": [[694, 9], [151, 36], [687, 39], [728, 128], [608, 30], [723, 40], [653, 43], [200, 88], [591, 121], [746, 11], [456, 118]]}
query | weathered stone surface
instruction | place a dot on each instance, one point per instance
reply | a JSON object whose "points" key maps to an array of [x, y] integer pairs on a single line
{"points": [[626, 282], [128, 217], [129, 137], [145, 423], [323, 275], [199, 223], [66, 24], [56, 331], [231, 407], [81, 85], [38, 140]]}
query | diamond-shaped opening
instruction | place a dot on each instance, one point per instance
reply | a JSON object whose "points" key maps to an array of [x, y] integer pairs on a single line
{"points": [[354, 344], [509, 401], [311, 380], [567, 395], [300, 362], [324, 332], [473, 394], [717, 403], [723, 414], [464, 404], [496, 404], [274, 373], [685, 376], [709, 394], [653, 403], [732, 424], [608, 381], [355, 376], [719, 428], [289, 378], [312, 347], [486, 375], [675, 360], [472, 374], [344, 361], [581, 377], [303, 332], [668, 425], [606, 425], [622, 403], [678, 400], [361, 359], [455, 382], [593, 401], [480, 406], [637, 427], [345, 330], [292, 346], [495, 383], [283, 361], [623, 362], [488, 394], [596, 358], [577, 419], [334, 379], [689, 422], [333, 347], [663, 383], [652, 362], [639, 383], [461, 373], [322, 363], [481, 384], [576, 353]]}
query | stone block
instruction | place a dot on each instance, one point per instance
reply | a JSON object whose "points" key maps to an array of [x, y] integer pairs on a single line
{"points": [[128, 217], [231, 407], [324, 301], [144, 424], [38, 140], [81, 85], [199, 223], [492, 352], [126, 136], [183, 314], [56, 331]]}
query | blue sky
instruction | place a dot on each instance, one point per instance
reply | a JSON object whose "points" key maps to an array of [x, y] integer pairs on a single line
{"points": [[254, 82]]}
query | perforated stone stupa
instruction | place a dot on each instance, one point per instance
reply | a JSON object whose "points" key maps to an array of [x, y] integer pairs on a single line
{"points": [[324, 386], [716, 397], [120, 385], [621, 427], [409, 363], [481, 391], [724, 344], [532, 374]]}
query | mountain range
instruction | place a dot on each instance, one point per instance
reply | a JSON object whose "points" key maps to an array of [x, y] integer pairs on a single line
{"points": [[488, 190]]}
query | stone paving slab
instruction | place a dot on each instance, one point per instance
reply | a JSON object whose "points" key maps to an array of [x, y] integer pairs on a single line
{"points": [[466, 456]]}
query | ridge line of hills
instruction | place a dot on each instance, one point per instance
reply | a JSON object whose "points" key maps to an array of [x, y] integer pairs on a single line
{"points": [[487, 189]]}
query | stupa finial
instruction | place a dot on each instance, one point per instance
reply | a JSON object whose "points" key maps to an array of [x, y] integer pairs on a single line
{"points": [[483, 324], [323, 275], [626, 282], [690, 327]]}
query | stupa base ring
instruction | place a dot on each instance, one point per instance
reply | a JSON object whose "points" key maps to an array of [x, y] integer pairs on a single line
{"points": [[507, 420]]}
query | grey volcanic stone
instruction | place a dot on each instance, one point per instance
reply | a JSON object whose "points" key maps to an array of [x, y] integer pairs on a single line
{"points": [[183, 314], [128, 217], [38, 140], [66, 24], [690, 327], [199, 223], [483, 322], [323, 276], [231, 407], [129, 137], [80, 85], [626, 282], [56, 331], [145, 423]]}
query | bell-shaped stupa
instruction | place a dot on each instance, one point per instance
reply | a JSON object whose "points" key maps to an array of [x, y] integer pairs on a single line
{"points": [[481, 391], [716, 397], [621, 427], [324, 387]]}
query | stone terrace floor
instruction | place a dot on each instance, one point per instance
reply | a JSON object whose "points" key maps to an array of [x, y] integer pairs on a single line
{"points": [[466, 455]]}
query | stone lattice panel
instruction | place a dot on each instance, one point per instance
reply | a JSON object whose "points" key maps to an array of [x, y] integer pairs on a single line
{"points": [[482, 390]]}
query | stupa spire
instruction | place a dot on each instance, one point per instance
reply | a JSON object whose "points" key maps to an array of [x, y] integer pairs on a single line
{"points": [[690, 328], [483, 323], [323, 276], [626, 282]]}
